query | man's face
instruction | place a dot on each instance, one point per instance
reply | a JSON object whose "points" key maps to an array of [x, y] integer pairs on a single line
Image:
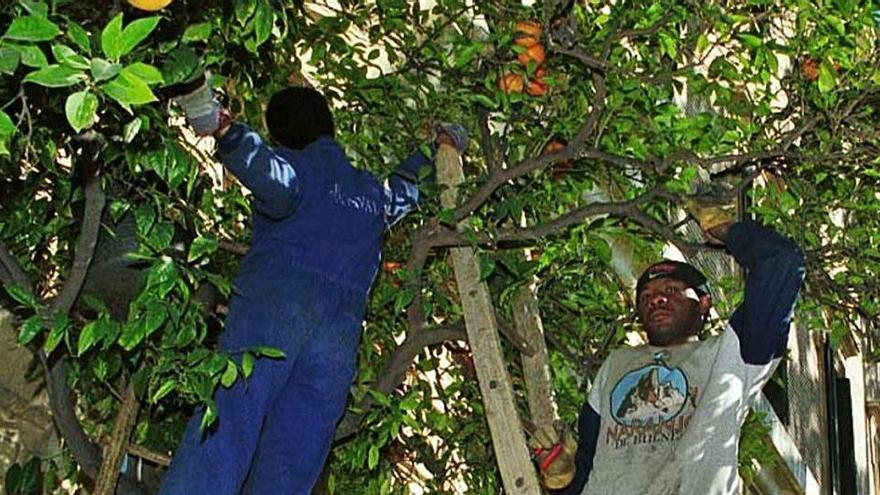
{"points": [[670, 312]]}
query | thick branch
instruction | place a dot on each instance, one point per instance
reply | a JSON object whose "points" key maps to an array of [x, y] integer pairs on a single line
{"points": [[122, 427], [486, 141], [85, 247]]}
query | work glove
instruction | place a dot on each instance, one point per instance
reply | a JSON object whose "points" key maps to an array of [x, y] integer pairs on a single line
{"points": [[201, 109], [553, 448], [707, 207], [456, 133]]}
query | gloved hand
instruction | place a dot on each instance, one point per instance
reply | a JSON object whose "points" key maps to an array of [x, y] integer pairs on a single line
{"points": [[201, 108], [455, 133], [707, 207], [553, 448]]}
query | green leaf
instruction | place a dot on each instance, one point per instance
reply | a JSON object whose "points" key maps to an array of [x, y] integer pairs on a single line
{"points": [[144, 217], [446, 216], [136, 32], [162, 277], [131, 129], [30, 329], [181, 65], [56, 76], [702, 43], [95, 304], [247, 364], [244, 9], [58, 332], [103, 70], [145, 72], [20, 294], [161, 236], [827, 77], [133, 333], [163, 390], [467, 54], [9, 60], [209, 417], [7, 129], [65, 55], [81, 109], [751, 41], [35, 7], [201, 246], [31, 55], [197, 32], [487, 267], [269, 352], [32, 28], [373, 457], [403, 299], [79, 36], [484, 100], [88, 337], [669, 44], [230, 374], [128, 89], [263, 21], [111, 38]]}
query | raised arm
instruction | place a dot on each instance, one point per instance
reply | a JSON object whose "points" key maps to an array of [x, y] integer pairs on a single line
{"points": [[402, 187], [774, 268], [271, 177]]}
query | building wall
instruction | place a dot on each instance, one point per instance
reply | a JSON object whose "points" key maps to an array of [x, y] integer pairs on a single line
{"points": [[806, 393], [855, 372]]}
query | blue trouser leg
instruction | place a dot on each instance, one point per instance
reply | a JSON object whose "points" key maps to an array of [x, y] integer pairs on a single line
{"points": [[218, 463], [299, 427]]}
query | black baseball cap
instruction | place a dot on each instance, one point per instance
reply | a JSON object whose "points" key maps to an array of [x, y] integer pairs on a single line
{"points": [[678, 270]]}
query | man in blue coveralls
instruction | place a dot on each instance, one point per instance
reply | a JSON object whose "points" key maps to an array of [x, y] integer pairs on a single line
{"points": [[318, 225]]}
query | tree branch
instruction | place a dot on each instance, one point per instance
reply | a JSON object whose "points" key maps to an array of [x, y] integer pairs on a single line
{"points": [[122, 426], [12, 273], [394, 371], [85, 246]]}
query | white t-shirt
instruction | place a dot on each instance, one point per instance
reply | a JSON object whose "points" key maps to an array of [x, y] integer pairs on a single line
{"points": [[671, 418]]}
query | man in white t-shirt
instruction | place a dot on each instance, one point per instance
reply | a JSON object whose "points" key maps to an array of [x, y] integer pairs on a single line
{"points": [[665, 418]]}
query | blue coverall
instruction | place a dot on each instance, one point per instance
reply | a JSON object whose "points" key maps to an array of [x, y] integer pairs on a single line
{"points": [[317, 234]]}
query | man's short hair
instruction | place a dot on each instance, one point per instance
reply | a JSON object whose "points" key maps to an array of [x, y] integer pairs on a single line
{"points": [[674, 269], [298, 116]]}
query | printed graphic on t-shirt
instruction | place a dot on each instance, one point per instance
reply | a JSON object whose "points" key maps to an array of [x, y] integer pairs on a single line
{"points": [[647, 405]]}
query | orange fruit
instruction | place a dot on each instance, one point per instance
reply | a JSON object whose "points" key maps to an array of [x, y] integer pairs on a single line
{"points": [[559, 169], [553, 146], [530, 28], [149, 5], [534, 53], [526, 41], [536, 87], [810, 69], [511, 83], [390, 266]]}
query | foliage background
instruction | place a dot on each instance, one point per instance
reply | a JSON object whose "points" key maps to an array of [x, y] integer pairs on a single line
{"points": [[644, 91]]}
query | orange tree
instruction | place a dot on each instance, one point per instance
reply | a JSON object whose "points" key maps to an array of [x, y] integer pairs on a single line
{"points": [[117, 244]]}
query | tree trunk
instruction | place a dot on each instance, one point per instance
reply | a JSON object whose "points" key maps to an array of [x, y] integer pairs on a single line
{"points": [[122, 426], [517, 472]]}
